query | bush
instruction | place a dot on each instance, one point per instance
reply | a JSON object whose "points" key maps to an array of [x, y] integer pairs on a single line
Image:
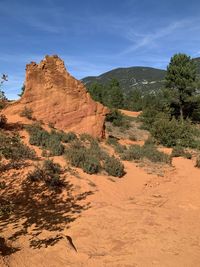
{"points": [[136, 152], [51, 141], [151, 153], [76, 155], [113, 166], [11, 147], [197, 165], [111, 140], [118, 119], [27, 112], [173, 132], [84, 158], [87, 137], [3, 120], [91, 165], [68, 137], [49, 173], [88, 158], [180, 152]]}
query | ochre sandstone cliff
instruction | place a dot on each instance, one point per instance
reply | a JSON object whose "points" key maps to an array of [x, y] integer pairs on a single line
{"points": [[58, 98]]}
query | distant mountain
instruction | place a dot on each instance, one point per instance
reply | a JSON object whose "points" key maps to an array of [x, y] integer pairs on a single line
{"points": [[142, 78]]}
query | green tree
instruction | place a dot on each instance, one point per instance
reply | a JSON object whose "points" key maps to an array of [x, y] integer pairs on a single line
{"points": [[134, 100], [114, 95], [181, 78], [4, 78], [110, 95], [22, 91]]}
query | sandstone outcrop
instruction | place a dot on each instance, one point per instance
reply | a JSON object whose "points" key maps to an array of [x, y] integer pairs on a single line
{"points": [[58, 98]]}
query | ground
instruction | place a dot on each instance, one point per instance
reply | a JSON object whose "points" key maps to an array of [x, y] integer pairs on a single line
{"points": [[142, 219]]}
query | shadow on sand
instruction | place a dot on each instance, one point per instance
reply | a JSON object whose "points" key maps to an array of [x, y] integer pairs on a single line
{"points": [[36, 206]]}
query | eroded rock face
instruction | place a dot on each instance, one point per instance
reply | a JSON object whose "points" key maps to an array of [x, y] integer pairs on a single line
{"points": [[57, 98]]}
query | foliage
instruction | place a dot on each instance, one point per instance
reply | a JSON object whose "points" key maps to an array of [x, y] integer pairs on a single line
{"points": [[51, 141], [27, 113], [91, 164], [118, 119], [113, 166], [90, 158], [4, 78], [83, 157], [172, 132], [3, 120], [22, 91], [134, 100], [68, 137], [180, 79], [117, 147], [179, 151], [136, 152], [11, 147], [109, 94], [49, 173]]}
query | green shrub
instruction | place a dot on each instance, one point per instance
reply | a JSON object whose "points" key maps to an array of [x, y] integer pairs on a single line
{"points": [[89, 158], [180, 152], [49, 173], [113, 166], [87, 137], [3, 120], [136, 152], [68, 137], [27, 112], [76, 155], [50, 141], [151, 153], [111, 140], [118, 119], [197, 162], [91, 165], [11, 147], [173, 132]]}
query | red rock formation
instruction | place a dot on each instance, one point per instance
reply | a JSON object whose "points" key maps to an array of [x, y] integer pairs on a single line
{"points": [[58, 98]]}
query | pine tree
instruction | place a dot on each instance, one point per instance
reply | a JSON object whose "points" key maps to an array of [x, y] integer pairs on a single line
{"points": [[180, 78]]}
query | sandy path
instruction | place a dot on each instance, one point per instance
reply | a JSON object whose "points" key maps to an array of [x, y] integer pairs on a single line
{"points": [[139, 220]]}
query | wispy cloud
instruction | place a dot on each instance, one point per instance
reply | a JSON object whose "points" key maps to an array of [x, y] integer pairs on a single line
{"points": [[144, 40]]}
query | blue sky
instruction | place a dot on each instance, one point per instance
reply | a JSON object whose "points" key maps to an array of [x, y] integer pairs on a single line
{"points": [[93, 36]]}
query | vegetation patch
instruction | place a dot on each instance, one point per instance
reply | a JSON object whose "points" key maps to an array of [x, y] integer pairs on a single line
{"points": [[49, 173], [118, 119], [11, 147], [91, 158], [50, 141], [27, 113], [113, 166], [180, 152], [136, 152], [3, 121]]}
